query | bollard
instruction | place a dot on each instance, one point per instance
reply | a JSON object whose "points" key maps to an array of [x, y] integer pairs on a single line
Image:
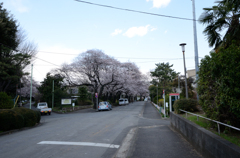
{"points": [[218, 128]]}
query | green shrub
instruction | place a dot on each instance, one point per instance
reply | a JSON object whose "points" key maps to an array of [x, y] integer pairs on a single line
{"points": [[38, 116], [185, 104], [30, 116], [88, 102], [10, 119], [161, 102], [5, 101], [219, 87], [17, 118]]}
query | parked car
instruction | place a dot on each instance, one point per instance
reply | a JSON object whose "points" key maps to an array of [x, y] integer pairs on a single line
{"points": [[126, 101], [104, 105], [123, 101], [43, 108]]}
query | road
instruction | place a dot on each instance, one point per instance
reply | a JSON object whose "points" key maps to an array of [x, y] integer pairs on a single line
{"points": [[135, 130]]}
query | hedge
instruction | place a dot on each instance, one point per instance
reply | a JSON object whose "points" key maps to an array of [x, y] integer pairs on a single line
{"points": [[17, 118], [6, 101], [185, 104]]}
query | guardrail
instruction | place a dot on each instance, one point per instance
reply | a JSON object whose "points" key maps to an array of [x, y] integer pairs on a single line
{"points": [[210, 120]]}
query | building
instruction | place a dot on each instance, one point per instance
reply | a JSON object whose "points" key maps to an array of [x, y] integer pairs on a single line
{"points": [[192, 74]]}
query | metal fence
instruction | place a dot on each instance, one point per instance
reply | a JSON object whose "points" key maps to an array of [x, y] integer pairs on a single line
{"points": [[211, 120]]}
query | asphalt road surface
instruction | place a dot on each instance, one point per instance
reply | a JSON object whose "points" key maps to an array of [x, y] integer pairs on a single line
{"points": [[135, 130]]}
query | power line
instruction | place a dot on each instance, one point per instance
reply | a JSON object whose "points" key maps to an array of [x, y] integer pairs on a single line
{"points": [[158, 59], [57, 53], [130, 10], [38, 71], [118, 57], [47, 61], [164, 60]]}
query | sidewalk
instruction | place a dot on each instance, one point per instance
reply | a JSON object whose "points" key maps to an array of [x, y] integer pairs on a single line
{"points": [[155, 139]]}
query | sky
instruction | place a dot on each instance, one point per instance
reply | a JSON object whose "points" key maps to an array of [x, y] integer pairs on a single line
{"points": [[62, 29]]}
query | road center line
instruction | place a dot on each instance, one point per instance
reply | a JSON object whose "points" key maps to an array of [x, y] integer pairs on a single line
{"points": [[79, 143]]}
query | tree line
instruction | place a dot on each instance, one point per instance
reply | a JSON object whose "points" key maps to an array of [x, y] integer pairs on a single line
{"points": [[16, 53]]}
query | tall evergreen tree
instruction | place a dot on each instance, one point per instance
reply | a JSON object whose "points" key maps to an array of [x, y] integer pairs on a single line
{"points": [[12, 61], [59, 89], [163, 75]]}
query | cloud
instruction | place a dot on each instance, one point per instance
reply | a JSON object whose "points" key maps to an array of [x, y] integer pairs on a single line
{"points": [[116, 32], [165, 31], [153, 29], [19, 6], [137, 31], [159, 3]]}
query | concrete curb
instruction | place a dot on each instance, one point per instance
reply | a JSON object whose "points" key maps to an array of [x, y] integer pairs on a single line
{"points": [[21, 129], [124, 150]]}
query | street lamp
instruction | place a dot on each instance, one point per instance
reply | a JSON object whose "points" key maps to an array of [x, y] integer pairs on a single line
{"points": [[183, 50]]}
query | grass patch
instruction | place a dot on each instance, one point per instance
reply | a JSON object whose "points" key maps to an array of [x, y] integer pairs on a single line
{"points": [[233, 137]]}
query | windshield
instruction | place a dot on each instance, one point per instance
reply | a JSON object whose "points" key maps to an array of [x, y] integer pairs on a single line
{"points": [[121, 100], [42, 104], [102, 103]]}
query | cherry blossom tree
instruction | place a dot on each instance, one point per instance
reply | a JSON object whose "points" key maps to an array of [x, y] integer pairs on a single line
{"points": [[24, 91], [104, 75]]}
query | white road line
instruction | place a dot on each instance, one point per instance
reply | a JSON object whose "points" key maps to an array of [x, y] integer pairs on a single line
{"points": [[80, 143], [126, 145]]}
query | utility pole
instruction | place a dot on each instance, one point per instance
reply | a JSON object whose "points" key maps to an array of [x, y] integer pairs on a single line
{"points": [[195, 43], [157, 94], [20, 92], [31, 87], [53, 95]]}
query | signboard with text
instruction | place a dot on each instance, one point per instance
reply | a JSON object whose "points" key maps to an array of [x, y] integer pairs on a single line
{"points": [[66, 101]]}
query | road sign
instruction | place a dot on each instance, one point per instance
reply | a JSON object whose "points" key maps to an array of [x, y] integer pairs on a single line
{"points": [[163, 91], [96, 95]]}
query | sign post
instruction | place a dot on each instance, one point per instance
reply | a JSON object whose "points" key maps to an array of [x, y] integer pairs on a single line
{"points": [[73, 104], [96, 96]]}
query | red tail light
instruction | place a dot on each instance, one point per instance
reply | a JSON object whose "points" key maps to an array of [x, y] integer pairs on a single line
{"points": [[98, 107], [107, 106]]}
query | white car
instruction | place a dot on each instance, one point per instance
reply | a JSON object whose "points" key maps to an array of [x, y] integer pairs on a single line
{"points": [[104, 106], [126, 101], [123, 101], [43, 108]]}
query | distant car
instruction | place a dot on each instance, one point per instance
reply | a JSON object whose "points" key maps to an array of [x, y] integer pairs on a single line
{"points": [[123, 101], [43, 108], [126, 101], [104, 105]]}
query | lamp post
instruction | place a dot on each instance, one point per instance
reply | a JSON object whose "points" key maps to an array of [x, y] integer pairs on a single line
{"points": [[183, 50]]}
